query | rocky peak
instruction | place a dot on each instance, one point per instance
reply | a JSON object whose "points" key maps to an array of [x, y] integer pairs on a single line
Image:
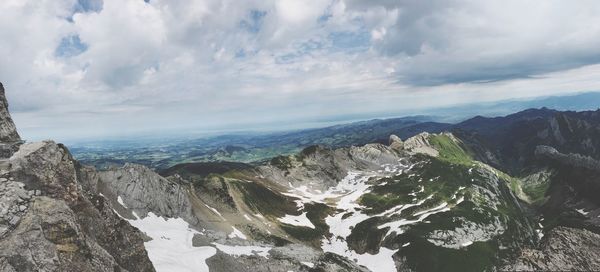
{"points": [[420, 144], [396, 143], [8, 131]]}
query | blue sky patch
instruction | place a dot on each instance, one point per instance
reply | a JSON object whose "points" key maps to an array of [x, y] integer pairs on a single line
{"points": [[350, 40], [70, 46], [254, 24]]}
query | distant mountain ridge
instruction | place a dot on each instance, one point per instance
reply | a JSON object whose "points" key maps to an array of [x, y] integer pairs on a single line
{"points": [[574, 102], [511, 140], [255, 148]]}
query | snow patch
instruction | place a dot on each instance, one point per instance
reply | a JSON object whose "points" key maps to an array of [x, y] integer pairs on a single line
{"points": [[398, 209], [582, 211], [237, 234], [422, 189], [382, 261], [297, 220], [120, 200], [170, 249], [540, 233], [237, 251], [215, 211], [353, 187], [466, 244], [345, 195], [309, 264], [396, 226]]}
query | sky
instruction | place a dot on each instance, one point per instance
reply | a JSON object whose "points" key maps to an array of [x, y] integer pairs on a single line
{"points": [[76, 69]]}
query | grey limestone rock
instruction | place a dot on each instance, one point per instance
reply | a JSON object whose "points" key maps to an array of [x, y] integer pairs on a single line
{"points": [[56, 225], [49, 221], [143, 190], [8, 131], [562, 249], [396, 143], [420, 144]]}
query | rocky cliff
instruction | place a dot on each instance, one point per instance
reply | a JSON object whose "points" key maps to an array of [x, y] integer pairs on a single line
{"points": [[8, 131], [9, 138], [142, 191], [49, 221]]}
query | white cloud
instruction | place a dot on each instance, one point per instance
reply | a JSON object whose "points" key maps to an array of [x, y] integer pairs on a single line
{"points": [[462, 41], [125, 39], [214, 64], [299, 12]]}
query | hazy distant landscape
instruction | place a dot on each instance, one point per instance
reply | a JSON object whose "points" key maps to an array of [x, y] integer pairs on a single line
{"points": [[251, 146]]}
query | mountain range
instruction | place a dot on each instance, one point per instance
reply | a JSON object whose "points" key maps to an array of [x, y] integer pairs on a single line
{"points": [[509, 193]]}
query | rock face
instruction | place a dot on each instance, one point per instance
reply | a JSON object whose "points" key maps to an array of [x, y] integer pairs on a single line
{"points": [[419, 144], [8, 131], [49, 221], [136, 184], [395, 142], [9, 138], [573, 160], [562, 249], [58, 226]]}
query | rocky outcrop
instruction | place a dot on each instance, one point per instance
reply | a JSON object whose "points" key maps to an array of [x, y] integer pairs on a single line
{"points": [[562, 249], [8, 131], [419, 144], [141, 190], [51, 224], [9, 138], [58, 226], [50, 221], [395, 142]]}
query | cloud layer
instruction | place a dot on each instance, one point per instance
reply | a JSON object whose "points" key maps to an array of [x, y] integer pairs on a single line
{"points": [[87, 68]]}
